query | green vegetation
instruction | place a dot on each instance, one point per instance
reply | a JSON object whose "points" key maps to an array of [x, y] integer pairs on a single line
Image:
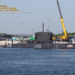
{"points": [[5, 35], [33, 38], [70, 34]]}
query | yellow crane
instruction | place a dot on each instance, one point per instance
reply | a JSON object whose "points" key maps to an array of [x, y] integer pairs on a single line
{"points": [[65, 36]]}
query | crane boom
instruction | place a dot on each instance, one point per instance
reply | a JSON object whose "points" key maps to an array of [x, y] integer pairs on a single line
{"points": [[62, 21], [59, 9]]}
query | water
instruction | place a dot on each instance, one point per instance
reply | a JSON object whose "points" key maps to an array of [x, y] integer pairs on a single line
{"points": [[36, 62]]}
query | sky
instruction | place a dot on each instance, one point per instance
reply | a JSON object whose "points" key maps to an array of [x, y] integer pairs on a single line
{"points": [[43, 11]]}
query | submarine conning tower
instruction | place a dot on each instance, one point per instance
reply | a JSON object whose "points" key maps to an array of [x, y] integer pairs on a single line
{"points": [[43, 37], [43, 40]]}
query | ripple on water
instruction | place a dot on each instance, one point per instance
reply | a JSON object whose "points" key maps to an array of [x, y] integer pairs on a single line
{"points": [[37, 62]]}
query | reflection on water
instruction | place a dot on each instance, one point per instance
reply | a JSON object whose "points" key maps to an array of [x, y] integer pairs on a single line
{"points": [[37, 62]]}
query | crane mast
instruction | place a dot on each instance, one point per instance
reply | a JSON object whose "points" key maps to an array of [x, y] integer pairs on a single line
{"points": [[62, 22]]}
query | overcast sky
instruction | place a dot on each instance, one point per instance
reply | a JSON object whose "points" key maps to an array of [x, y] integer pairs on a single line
{"points": [[43, 11]]}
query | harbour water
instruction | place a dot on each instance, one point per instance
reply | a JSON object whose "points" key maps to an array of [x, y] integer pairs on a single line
{"points": [[25, 61]]}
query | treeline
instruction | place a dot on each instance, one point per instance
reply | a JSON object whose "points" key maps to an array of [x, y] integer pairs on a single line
{"points": [[70, 34], [5, 35], [10, 35]]}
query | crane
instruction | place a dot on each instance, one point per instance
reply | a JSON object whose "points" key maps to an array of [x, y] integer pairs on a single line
{"points": [[65, 36]]}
